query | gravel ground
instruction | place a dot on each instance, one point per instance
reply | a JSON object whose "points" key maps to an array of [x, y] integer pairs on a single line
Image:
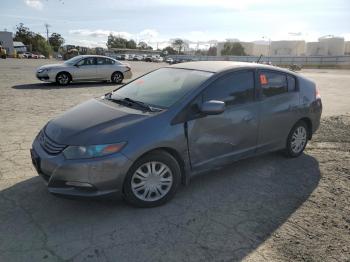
{"points": [[267, 208]]}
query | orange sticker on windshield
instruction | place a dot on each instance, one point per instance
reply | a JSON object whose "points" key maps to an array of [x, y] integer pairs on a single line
{"points": [[263, 79]]}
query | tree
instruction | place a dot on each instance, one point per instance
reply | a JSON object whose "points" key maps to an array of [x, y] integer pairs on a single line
{"points": [[178, 44], [143, 45], [36, 41], [131, 44], [56, 41], [120, 42], [116, 41], [23, 34], [233, 49], [169, 50], [212, 51]]}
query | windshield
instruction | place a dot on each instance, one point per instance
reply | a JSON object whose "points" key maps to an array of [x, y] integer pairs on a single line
{"points": [[162, 87], [73, 60]]}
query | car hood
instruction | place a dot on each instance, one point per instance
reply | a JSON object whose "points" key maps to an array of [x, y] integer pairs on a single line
{"points": [[93, 122], [51, 66]]}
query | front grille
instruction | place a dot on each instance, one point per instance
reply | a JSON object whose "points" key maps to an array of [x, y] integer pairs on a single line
{"points": [[50, 146]]}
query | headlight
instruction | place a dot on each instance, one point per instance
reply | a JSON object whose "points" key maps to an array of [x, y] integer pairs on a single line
{"points": [[79, 152], [43, 70]]}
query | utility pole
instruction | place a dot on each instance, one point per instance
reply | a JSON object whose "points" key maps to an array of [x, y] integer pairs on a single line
{"points": [[47, 31]]}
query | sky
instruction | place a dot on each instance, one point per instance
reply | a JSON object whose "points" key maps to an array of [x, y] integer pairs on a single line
{"points": [[89, 22]]}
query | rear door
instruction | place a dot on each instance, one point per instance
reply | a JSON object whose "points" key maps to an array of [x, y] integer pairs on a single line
{"points": [[105, 67], [279, 105], [85, 69], [215, 140]]}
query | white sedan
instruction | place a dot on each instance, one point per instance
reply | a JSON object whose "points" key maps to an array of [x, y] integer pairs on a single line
{"points": [[85, 68]]}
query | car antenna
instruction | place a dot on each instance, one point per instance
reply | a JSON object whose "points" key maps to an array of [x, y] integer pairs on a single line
{"points": [[259, 58]]}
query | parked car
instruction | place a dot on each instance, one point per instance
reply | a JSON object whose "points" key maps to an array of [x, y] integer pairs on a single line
{"points": [[137, 58], [42, 57], [124, 57], [145, 138], [83, 68], [169, 60], [157, 59], [59, 56], [149, 58]]}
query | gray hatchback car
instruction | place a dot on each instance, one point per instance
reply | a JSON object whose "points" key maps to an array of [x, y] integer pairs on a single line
{"points": [[145, 138]]}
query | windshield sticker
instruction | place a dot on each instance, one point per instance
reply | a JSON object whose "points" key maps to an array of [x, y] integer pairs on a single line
{"points": [[263, 79]]}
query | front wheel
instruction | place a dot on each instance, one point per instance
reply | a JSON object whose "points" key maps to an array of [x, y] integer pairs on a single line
{"points": [[63, 79], [117, 77], [297, 139], [152, 180]]}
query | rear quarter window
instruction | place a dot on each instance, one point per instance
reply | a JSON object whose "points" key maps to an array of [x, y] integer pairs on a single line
{"points": [[291, 83], [273, 83]]}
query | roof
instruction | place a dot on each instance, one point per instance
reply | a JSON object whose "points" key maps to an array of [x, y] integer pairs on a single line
{"points": [[16, 44], [219, 66]]}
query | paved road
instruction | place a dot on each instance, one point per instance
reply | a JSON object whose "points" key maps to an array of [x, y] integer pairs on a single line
{"points": [[266, 208]]}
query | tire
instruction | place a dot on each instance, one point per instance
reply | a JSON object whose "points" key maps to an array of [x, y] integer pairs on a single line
{"points": [[297, 139], [63, 79], [117, 77], [146, 188]]}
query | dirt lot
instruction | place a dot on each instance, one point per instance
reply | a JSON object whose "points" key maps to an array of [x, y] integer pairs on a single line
{"points": [[268, 208]]}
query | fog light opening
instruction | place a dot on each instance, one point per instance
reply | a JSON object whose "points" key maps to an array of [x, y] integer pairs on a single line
{"points": [[81, 185]]}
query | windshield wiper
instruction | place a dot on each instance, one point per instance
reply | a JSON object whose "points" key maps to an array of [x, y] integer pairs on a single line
{"points": [[144, 105], [128, 100]]}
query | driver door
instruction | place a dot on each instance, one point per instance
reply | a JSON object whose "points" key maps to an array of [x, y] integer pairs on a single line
{"points": [[85, 69], [215, 140]]}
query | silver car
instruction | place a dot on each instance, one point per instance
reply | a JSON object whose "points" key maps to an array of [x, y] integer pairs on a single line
{"points": [[85, 68], [145, 138]]}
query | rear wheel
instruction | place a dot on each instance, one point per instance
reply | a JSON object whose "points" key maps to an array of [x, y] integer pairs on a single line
{"points": [[297, 139], [152, 180], [63, 79], [117, 77]]}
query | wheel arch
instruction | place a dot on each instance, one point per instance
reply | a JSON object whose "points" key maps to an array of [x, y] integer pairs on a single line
{"points": [[175, 154], [308, 122]]}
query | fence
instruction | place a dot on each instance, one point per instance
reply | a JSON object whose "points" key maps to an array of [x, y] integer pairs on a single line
{"points": [[276, 60]]}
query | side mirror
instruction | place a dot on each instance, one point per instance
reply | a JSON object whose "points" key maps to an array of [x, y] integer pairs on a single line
{"points": [[212, 107]]}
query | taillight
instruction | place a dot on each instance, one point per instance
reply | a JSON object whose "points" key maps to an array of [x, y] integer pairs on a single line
{"points": [[317, 93]]}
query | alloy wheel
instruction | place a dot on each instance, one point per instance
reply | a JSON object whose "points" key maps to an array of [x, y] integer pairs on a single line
{"points": [[63, 79], [299, 139]]}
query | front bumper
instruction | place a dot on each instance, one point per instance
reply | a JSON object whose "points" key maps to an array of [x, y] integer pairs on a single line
{"points": [[44, 77], [82, 177]]}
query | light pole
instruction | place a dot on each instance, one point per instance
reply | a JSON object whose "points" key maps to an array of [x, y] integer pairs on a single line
{"points": [[269, 39]]}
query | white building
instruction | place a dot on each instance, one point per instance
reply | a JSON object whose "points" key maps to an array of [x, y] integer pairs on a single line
{"points": [[347, 48], [335, 46], [6, 41], [287, 48], [250, 48], [19, 47]]}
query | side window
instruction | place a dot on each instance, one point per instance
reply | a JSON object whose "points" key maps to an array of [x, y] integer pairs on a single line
{"points": [[109, 61], [236, 88], [81, 62], [291, 84], [86, 61], [272, 83], [101, 61]]}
